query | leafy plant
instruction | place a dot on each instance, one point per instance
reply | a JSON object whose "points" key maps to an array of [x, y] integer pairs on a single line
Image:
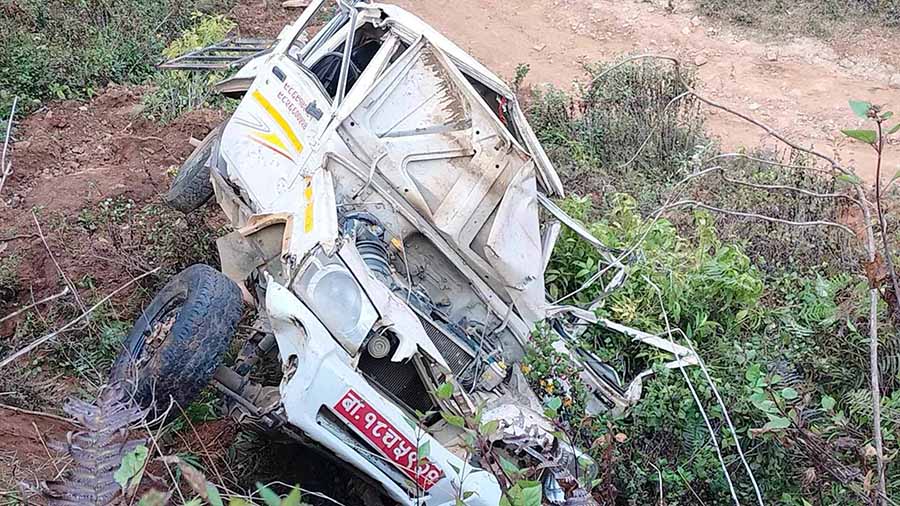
{"points": [[59, 50], [179, 91]]}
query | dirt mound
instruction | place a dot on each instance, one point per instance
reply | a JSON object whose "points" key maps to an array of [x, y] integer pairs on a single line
{"points": [[71, 156]]}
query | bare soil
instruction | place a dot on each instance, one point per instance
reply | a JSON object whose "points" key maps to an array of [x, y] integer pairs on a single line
{"points": [[72, 155], [24, 455]]}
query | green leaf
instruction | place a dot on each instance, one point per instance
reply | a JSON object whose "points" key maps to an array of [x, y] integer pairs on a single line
{"points": [[777, 423], [531, 494], [445, 391], [132, 465], [509, 467], [887, 115], [867, 136], [454, 420], [194, 502], [268, 495], [489, 428], [894, 129], [753, 373], [789, 394], [424, 450], [860, 108], [849, 178], [212, 495], [292, 499], [554, 403], [828, 402]]}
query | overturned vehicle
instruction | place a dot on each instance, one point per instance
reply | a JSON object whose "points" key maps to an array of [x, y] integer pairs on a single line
{"points": [[392, 224]]}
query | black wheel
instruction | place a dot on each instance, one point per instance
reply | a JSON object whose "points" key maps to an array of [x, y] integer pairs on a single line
{"points": [[180, 339], [192, 187]]}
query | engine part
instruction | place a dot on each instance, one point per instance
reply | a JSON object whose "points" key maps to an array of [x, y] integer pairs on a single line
{"points": [[398, 380], [369, 235], [379, 346]]}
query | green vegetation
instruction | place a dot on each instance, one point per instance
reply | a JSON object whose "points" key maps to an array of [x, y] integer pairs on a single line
{"points": [[814, 17], [179, 91], [9, 280], [627, 131], [776, 312], [593, 136], [62, 49]]}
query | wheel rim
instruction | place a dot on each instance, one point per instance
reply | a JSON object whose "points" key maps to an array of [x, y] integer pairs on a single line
{"points": [[157, 332]]}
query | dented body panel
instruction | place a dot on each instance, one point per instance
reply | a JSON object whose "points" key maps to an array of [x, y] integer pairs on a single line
{"points": [[386, 194]]}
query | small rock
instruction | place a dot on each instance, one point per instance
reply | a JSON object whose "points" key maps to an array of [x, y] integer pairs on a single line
{"points": [[137, 109], [695, 20], [539, 47], [772, 55], [754, 106], [78, 149], [686, 30], [700, 60], [845, 63], [712, 32], [894, 82], [82, 108]]}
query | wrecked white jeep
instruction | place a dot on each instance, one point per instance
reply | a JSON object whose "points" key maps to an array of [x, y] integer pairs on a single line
{"points": [[386, 195]]}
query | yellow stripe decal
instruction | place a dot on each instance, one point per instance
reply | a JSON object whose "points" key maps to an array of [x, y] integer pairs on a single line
{"points": [[278, 119], [308, 221], [271, 139]]}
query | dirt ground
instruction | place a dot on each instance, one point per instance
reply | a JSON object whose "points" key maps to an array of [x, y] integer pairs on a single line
{"points": [[70, 156], [799, 86]]}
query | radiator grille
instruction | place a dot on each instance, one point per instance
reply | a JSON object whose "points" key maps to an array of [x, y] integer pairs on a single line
{"points": [[399, 380], [456, 356]]}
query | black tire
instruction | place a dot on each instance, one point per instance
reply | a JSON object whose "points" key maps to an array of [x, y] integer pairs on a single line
{"points": [[180, 339], [192, 186]]}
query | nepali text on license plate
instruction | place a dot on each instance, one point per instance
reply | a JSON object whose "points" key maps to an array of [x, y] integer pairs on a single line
{"points": [[387, 439]]}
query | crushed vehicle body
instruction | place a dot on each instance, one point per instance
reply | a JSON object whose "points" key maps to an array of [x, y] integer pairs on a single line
{"points": [[386, 195]]}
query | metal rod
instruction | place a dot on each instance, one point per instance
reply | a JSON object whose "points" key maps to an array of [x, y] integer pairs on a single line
{"points": [[345, 61]]}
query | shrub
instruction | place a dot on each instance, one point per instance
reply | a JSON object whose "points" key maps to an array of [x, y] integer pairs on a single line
{"points": [[622, 133], [180, 91], [60, 49], [775, 345], [593, 136]]}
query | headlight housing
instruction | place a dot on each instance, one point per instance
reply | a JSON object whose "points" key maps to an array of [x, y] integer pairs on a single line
{"points": [[337, 299]]}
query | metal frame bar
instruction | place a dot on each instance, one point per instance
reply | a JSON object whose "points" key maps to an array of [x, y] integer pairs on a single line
{"points": [[210, 57]]}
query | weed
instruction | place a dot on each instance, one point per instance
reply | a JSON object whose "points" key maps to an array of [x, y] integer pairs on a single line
{"points": [[522, 70], [9, 279], [799, 329], [622, 133], [812, 17], [180, 91], [58, 49]]}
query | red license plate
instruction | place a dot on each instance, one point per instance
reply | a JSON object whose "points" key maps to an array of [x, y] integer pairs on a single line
{"points": [[392, 444]]}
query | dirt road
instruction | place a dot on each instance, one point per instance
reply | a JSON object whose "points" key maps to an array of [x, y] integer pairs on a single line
{"points": [[798, 86]]}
